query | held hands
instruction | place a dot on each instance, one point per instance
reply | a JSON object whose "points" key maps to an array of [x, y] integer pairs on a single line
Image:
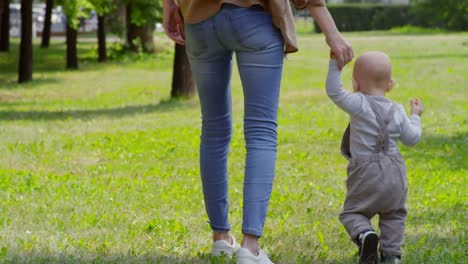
{"points": [[173, 22], [416, 107], [341, 50]]}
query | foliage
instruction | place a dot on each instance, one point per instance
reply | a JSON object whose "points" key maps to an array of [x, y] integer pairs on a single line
{"points": [[103, 6], [74, 9], [361, 1], [99, 166], [451, 15], [144, 11], [416, 30], [448, 14], [366, 17]]}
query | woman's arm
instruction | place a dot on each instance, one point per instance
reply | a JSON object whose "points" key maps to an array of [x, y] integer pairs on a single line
{"points": [[340, 48], [173, 22]]}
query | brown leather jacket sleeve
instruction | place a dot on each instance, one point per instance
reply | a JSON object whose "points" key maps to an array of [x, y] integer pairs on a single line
{"points": [[301, 4]]}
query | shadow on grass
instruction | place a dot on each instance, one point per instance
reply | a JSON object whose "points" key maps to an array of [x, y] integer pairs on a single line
{"points": [[52, 59], [432, 247], [163, 106], [44, 60], [438, 152], [13, 84], [96, 257], [351, 259], [38, 258], [64, 258], [440, 216]]}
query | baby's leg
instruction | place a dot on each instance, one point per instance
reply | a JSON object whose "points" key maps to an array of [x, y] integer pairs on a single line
{"points": [[392, 226], [355, 223]]}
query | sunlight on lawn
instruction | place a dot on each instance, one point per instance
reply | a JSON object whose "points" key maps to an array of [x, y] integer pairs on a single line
{"points": [[98, 165]]}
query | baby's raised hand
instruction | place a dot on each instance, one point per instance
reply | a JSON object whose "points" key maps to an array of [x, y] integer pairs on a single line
{"points": [[416, 107]]}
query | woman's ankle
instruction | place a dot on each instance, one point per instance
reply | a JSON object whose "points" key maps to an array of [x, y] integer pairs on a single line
{"points": [[222, 236], [250, 242]]}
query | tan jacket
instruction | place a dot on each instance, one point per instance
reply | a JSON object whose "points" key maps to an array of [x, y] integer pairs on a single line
{"points": [[195, 11]]}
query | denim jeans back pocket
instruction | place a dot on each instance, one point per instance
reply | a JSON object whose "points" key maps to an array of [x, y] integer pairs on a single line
{"points": [[254, 29], [196, 42]]}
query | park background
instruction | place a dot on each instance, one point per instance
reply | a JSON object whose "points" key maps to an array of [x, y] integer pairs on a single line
{"points": [[99, 150]]}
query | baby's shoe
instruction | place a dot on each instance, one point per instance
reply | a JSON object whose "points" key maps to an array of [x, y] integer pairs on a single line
{"points": [[389, 259], [222, 247], [368, 242], [244, 256]]}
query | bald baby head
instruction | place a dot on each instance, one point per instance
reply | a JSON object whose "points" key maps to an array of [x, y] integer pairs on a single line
{"points": [[372, 73]]}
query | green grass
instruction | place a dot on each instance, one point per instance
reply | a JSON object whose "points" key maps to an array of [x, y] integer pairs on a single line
{"points": [[99, 165], [304, 26], [413, 30]]}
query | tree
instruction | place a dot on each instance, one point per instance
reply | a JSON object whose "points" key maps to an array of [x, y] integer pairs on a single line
{"points": [[183, 84], [1, 12], [47, 24], [141, 17], [73, 9], [5, 25], [25, 61], [72, 54], [101, 35], [102, 7], [132, 28], [448, 14]]}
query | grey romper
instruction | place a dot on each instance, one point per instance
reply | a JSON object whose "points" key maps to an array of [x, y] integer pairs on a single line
{"points": [[376, 181]]}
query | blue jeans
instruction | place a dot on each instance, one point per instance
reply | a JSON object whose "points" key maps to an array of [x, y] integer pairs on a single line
{"points": [[258, 45]]}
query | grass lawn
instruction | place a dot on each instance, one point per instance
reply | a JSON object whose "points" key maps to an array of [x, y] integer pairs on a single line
{"points": [[98, 165]]}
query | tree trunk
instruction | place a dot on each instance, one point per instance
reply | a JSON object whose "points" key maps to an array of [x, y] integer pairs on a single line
{"points": [[5, 27], [132, 30], [47, 24], [183, 84], [25, 61], [72, 58], [147, 37], [1, 13], [101, 34]]}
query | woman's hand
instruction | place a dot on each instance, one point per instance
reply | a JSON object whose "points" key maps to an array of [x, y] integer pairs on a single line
{"points": [[173, 22], [341, 49]]}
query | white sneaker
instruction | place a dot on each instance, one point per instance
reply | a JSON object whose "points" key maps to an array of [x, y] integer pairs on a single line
{"points": [[244, 256], [222, 247]]}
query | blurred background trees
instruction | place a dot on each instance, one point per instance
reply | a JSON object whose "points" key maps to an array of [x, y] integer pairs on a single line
{"points": [[25, 58], [362, 15], [4, 25], [447, 14], [134, 22]]}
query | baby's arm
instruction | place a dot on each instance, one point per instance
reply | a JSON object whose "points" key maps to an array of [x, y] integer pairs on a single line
{"points": [[349, 102], [411, 127]]}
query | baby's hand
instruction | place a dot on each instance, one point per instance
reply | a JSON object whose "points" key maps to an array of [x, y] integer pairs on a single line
{"points": [[416, 107]]}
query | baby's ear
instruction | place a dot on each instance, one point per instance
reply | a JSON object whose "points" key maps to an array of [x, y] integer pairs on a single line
{"points": [[355, 85], [391, 83]]}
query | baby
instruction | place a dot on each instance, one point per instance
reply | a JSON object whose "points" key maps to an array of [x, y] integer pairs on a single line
{"points": [[376, 181]]}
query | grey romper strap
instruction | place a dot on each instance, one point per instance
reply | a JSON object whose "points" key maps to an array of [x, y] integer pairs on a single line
{"points": [[383, 137]]}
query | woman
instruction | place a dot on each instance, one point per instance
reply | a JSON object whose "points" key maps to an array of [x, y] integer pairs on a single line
{"points": [[259, 32]]}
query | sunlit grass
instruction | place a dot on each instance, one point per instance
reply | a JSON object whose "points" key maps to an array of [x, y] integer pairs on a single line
{"points": [[99, 165]]}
